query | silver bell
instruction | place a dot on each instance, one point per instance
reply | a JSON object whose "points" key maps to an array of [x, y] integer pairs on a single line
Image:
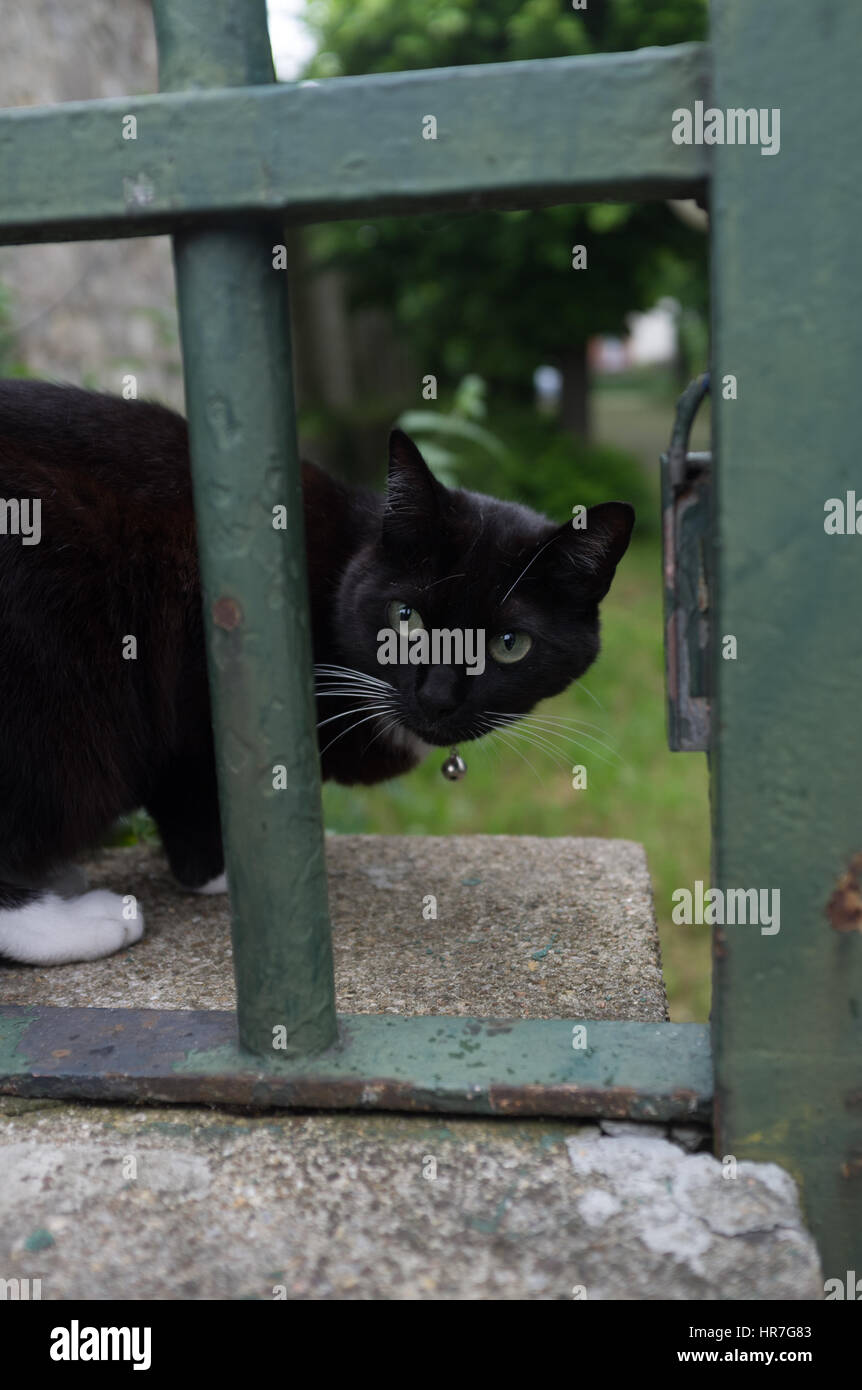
{"points": [[454, 767]]}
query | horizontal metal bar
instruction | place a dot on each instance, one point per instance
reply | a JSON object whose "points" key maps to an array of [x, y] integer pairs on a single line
{"points": [[642, 1071], [508, 134]]}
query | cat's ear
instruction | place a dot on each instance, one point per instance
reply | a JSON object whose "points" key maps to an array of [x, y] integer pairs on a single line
{"points": [[415, 500], [588, 549]]}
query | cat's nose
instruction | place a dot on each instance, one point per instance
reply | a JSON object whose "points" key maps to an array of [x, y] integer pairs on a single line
{"points": [[438, 693]]}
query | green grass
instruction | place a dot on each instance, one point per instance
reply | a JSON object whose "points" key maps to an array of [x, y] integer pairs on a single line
{"points": [[636, 417], [647, 794]]}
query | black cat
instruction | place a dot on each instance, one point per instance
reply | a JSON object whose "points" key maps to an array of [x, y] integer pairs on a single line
{"points": [[97, 546]]}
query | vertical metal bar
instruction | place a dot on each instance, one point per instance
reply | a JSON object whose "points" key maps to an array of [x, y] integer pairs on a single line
{"points": [[787, 759], [212, 43], [237, 362]]}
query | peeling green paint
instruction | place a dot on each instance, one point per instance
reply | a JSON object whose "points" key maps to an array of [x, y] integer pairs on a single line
{"points": [[13, 1029], [38, 1240]]}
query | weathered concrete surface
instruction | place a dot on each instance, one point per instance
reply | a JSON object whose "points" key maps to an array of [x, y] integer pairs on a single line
{"points": [[186, 1203], [106, 1203], [707, 1229], [525, 927]]}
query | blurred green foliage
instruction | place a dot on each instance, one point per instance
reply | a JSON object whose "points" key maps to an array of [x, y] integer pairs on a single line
{"points": [[492, 292], [539, 464], [440, 433], [358, 36]]}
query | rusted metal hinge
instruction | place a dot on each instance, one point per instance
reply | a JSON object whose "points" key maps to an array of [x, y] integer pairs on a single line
{"points": [[685, 504]]}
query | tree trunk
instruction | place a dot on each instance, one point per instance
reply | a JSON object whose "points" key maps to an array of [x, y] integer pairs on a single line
{"points": [[575, 395]]}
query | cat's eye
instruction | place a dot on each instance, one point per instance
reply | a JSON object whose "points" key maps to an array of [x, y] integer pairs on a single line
{"points": [[399, 613], [510, 646]]}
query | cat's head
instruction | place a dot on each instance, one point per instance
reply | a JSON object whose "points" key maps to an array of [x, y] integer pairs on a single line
{"points": [[508, 602]]}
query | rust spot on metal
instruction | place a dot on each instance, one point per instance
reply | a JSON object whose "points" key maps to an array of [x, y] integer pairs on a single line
{"points": [[227, 613], [563, 1099], [852, 1168], [844, 908], [567, 1100]]}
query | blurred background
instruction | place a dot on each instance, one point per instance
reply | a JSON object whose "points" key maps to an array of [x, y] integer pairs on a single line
{"points": [[516, 373]]}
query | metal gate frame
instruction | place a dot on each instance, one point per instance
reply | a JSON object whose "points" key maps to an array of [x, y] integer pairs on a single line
{"points": [[223, 157]]}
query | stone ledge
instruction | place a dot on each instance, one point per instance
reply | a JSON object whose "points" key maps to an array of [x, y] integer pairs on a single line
{"points": [[526, 928], [183, 1203]]}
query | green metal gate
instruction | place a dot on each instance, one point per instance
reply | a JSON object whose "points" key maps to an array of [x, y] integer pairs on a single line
{"points": [[223, 156]]}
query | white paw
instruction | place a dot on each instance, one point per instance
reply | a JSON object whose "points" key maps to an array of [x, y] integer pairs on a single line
{"points": [[55, 931], [215, 885]]}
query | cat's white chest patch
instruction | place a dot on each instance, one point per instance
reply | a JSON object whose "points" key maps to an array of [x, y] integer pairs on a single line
{"points": [[401, 740]]}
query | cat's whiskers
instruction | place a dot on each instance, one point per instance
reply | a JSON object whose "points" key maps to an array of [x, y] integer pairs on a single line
{"points": [[530, 562], [357, 709], [481, 742], [350, 728], [542, 736], [537, 741], [444, 580], [387, 728], [493, 731], [538, 724], [353, 690], [579, 685], [574, 732], [488, 745], [345, 681], [579, 724], [579, 739], [378, 699], [330, 671]]}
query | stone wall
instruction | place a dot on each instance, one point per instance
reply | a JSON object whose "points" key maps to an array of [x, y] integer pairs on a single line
{"points": [[86, 312]]}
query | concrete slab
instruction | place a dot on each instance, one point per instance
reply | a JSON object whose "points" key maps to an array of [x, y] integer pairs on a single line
{"points": [[525, 927], [106, 1203]]}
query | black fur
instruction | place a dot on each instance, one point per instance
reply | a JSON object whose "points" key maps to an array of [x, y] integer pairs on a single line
{"points": [[86, 736]]}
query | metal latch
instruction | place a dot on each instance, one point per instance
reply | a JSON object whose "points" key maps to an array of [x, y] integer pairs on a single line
{"points": [[685, 505]]}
